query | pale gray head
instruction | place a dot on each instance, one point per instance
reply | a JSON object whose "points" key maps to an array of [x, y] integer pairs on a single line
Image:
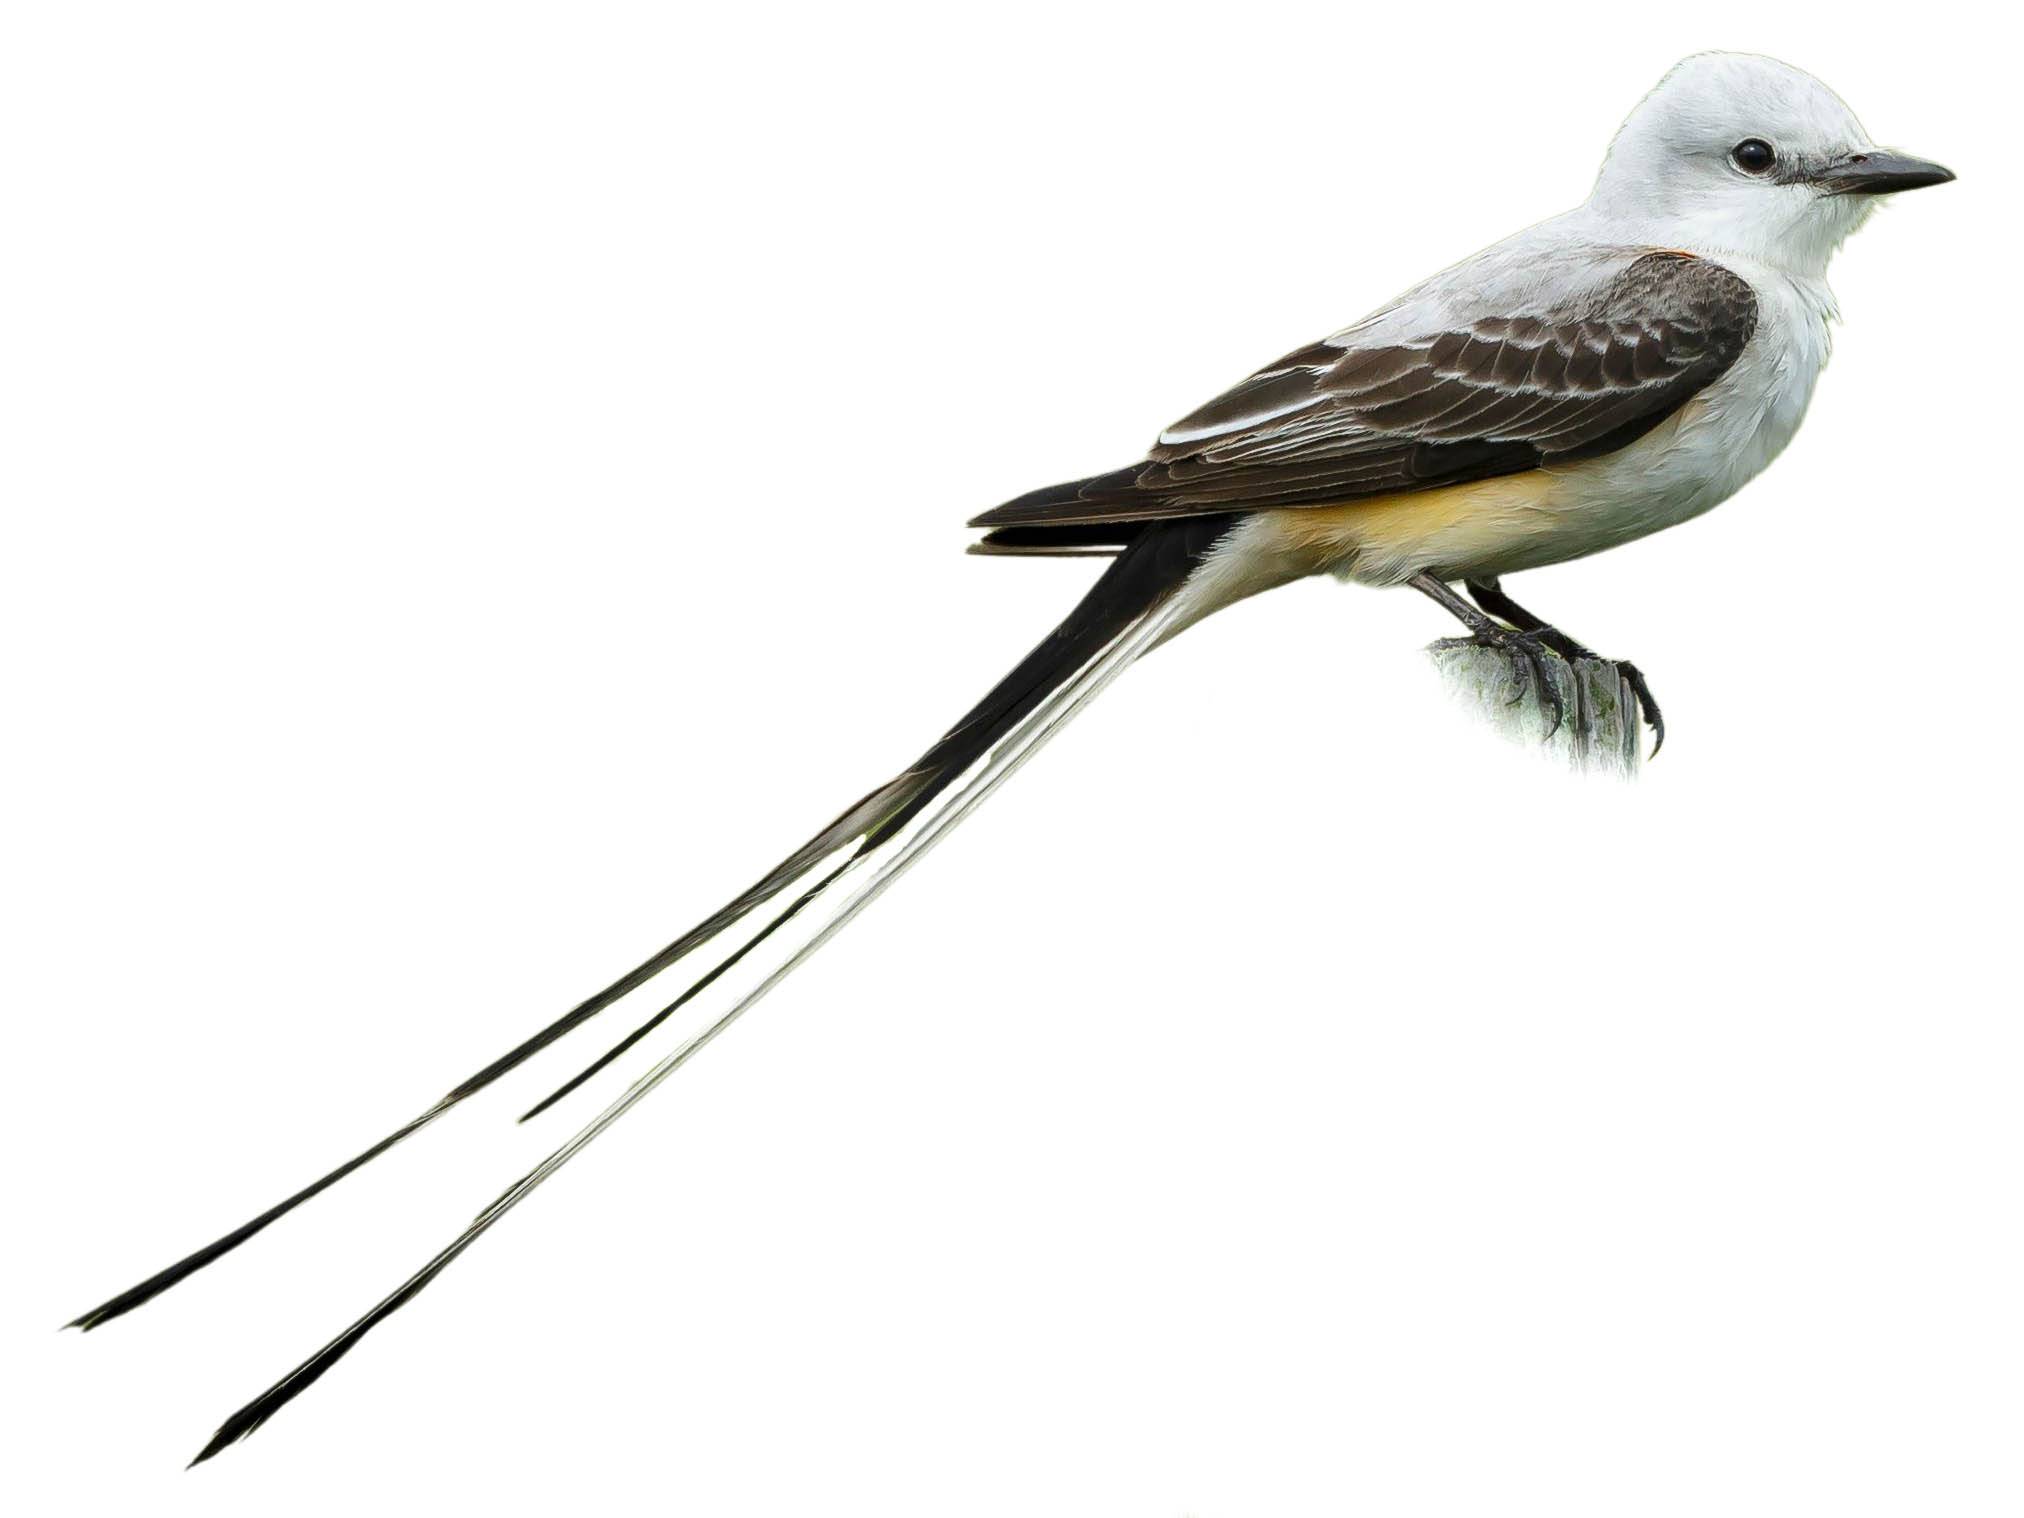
{"points": [[1741, 154]]}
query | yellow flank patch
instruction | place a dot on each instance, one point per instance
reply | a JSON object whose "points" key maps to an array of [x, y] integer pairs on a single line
{"points": [[1455, 524]]}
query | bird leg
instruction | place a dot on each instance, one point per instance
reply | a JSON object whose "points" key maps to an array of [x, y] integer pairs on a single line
{"points": [[1490, 596], [1526, 650]]}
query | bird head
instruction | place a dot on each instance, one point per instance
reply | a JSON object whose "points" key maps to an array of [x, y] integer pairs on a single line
{"points": [[1741, 154]]}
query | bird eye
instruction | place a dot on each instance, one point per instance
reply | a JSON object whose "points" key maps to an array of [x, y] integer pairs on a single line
{"points": [[1753, 155]]}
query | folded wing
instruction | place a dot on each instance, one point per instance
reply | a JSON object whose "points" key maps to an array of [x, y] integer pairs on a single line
{"points": [[1350, 418]]}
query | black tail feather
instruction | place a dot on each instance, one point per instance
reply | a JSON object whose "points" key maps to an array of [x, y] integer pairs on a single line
{"points": [[1150, 568], [1136, 583], [1152, 565], [789, 870], [1156, 561], [779, 921], [305, 1375], [189, 1265]]}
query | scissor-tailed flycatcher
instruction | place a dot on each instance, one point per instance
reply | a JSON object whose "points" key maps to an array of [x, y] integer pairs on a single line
{"points": [[1604, 374]]}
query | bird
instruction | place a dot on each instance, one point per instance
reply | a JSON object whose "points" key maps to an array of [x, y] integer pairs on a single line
{"points": [[1609, 372]]}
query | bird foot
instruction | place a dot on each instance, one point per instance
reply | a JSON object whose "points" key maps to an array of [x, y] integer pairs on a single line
{"points": [[1627, 674], [1528, 656]]}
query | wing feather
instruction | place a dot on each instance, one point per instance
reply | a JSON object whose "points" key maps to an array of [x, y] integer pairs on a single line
{"points": [[1336, 421]]}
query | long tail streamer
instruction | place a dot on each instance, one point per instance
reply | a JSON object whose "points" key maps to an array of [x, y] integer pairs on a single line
{"points": [[790, 870], [1002, 760]]}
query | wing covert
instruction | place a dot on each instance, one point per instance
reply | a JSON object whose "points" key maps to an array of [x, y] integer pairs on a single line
{"points": [[1341, 419]]}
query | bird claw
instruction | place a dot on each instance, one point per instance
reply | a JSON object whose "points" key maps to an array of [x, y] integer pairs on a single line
{"points": [[1645, 705], [1648, 707], [1528, 656]]}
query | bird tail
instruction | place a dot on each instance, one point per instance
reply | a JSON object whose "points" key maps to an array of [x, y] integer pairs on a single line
{"points": [[1133, 607], [1128, 610]]}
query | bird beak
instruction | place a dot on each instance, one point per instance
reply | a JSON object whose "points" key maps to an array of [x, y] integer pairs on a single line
{"points": [[1877, 172]]}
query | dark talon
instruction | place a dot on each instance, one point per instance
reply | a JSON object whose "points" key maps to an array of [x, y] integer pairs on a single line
{"points": [[1646, 703], [1535, 655]]}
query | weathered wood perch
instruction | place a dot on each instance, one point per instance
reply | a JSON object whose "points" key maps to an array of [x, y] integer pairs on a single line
{"points": [[1602, 728]]}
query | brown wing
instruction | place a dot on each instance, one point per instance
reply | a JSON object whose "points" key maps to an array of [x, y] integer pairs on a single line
{"points": [[1330, 423]]}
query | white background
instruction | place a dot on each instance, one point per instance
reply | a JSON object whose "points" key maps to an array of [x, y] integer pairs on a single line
{"points": [[482, 481]]}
